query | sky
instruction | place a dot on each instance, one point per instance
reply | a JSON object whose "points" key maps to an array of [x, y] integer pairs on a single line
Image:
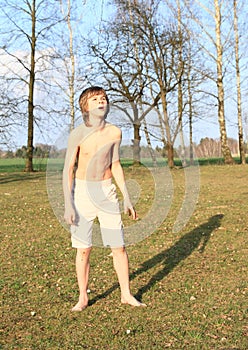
{"points": [[94, 13], [208, 127]]}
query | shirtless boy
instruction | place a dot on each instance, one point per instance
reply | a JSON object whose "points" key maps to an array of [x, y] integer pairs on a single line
{"points": [[89, 192]]}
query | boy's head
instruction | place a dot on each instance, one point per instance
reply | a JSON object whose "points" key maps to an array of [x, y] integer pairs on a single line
{"points": [[83, 101]]}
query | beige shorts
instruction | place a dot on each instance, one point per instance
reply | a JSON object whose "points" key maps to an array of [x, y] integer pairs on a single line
{"points": [[96, 199]]}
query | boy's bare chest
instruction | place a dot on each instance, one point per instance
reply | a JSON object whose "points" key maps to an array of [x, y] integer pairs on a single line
{"points": [[96, 144]]}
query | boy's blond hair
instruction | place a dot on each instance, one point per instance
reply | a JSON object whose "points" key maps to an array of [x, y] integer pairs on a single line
{"points": [[83, 101]]}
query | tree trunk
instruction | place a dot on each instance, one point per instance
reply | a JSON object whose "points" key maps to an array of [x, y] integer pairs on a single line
{"points": [[163, 139], [191, 153], [221, 115], [170, 155], [169, 144], [72, 71], [29, 157], [149, 144], [180, 89], [136, 145], [240, 126]]}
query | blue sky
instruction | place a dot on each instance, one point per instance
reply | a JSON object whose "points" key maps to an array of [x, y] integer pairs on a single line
{"points": [[94, 12]]}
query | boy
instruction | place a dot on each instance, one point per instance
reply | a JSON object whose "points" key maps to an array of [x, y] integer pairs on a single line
{"points": [[89, 192]]}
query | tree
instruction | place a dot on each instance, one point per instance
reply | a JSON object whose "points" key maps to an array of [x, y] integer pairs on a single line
{"points": [[25, 41], [143, 68], [166, 48], [221, 113], [21, 152], [237, 65], [136, 50], [215, 39], [71, 68], [122, 69], [9, 118], [190, 102]]}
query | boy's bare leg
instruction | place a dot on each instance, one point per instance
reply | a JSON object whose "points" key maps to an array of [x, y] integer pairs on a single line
{"points": [[121, 266], [82, 269]]}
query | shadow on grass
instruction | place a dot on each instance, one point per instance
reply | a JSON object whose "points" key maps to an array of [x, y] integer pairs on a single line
{"points": [[171, 257], [14, 177]]}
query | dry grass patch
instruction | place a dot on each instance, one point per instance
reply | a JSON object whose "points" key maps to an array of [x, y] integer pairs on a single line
{"points": [[194, 281]]}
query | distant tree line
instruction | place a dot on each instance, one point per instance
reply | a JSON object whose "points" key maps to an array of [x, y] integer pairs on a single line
{"points": [[39, 151], [207, 148], [165, 64]]}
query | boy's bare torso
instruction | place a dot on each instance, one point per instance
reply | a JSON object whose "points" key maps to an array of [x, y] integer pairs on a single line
{"points": [[95, 153]]}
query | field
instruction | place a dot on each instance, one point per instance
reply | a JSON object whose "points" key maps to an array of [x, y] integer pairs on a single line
{"points": [[194, 281]]}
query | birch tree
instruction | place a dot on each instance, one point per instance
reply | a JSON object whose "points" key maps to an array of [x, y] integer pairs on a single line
{"points": [[238, 85], [220, 86], [71, 65], [180, 84], [214, 11], [71, 75]]}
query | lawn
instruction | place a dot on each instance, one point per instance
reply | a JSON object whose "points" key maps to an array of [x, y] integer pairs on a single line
{"points": [[194, 281]]}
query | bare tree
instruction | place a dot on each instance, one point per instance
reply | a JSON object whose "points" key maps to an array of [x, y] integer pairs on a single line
{"points": [[190, 104], [238, 84], [10, 119], [71, 70], [221, 101], [150, 67], [72, 67], [216, 40], [208, 148], [27, 27], [137, 49], [123, 69], [180, 84], [167, 61]]}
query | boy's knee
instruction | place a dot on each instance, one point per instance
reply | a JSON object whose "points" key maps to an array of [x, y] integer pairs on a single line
{"points": [[119, 250], [83, 251]]}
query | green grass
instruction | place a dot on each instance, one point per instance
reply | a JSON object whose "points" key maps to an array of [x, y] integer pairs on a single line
{"points": [[194, 281], [40, 164], [10, 165]]}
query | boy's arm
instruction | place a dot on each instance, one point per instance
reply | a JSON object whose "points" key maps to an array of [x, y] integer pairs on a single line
{"points": [[69, 164], [119, 177]]}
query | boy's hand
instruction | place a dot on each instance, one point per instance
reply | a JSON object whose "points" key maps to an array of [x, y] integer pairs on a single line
{"points": [[69, 215], [129, 209], [132, 213]]}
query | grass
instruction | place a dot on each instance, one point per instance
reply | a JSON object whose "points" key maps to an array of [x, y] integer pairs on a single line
{"points": [[11, 165], [194, 281]]}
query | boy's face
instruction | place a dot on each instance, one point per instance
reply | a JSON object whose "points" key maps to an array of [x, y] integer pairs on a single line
{"points": [[97, 105]]}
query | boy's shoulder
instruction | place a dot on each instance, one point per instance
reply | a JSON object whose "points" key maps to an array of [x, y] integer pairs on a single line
{"points": [[76, 135], [114, 129], [78, 130]]}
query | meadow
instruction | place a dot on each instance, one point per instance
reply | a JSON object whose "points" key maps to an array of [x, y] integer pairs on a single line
{"points": [[194, 281]]}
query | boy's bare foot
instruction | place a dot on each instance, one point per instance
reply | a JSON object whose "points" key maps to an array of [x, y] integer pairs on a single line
{"points": [[79, 307], [132, 301]]}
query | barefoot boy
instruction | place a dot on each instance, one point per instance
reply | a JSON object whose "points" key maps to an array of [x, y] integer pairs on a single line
{"points": [[89, 192]]}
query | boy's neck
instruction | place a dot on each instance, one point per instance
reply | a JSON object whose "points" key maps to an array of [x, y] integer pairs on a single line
{"points": [[97, 123]]}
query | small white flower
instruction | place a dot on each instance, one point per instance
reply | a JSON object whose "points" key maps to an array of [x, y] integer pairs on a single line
{"points": [[88, 291], [128, 331], [33, 313]]}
